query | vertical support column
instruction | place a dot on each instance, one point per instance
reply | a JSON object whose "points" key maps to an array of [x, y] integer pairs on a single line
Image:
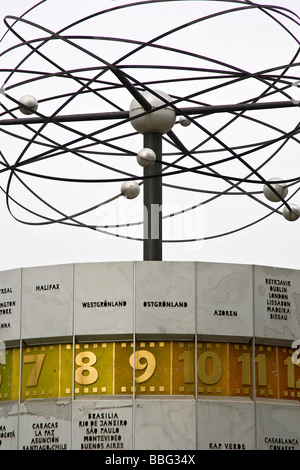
{"points": [[153, 201]]}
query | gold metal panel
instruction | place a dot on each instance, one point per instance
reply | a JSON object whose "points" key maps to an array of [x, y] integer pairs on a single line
{"points": [[266, 371], [47, 371], [66, 370], [240, 372], [183, 368], [161, 368], [9, 375], [152, 368], [123, 372], [212, 369], [151, 361], [94, 369], [289, 375]]}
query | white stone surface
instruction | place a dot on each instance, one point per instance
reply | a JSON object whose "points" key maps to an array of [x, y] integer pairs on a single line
{"points": [[9, 426], [102, 425], [276, 304], [165, 424], [224, 301], [227, 424], [47, 303], [45, 425], [165, 298], [10, 306], [278, 425], [104, 299]]}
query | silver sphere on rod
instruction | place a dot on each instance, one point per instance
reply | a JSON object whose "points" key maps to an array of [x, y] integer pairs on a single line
{"points": [[146, 157], [29, 104], [275, 190]]}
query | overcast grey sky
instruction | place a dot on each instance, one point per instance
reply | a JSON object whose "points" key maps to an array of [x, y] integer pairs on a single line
{"points": [[274, 241]]}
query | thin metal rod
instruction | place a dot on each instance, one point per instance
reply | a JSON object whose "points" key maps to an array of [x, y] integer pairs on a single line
{"points": [[226, 108], [135, 93], [68, 118], [153, 201]]}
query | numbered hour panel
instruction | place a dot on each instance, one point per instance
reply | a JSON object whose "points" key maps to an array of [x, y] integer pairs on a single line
{"points": [[150, 368], [289, 375], [47, 371], [151, 361], [212, 369], [9, 374], [94, 369]]}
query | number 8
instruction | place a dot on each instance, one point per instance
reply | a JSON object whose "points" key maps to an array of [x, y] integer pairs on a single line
{"points": [[92, 373]]}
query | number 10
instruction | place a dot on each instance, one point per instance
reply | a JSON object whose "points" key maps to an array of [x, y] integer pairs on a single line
{"points": [[188, 364]]}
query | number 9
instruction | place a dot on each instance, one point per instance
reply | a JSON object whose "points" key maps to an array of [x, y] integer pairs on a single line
{"points": [[149, 365]]}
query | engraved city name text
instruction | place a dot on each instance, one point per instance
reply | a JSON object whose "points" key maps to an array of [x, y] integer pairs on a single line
{"points": [[6, 307], [278, 301]]}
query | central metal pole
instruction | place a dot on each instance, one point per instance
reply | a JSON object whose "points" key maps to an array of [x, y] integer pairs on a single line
{"points": [[153, 201]]}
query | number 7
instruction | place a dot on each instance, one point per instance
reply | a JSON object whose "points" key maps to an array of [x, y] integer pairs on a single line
{"points": [[38, 360]]}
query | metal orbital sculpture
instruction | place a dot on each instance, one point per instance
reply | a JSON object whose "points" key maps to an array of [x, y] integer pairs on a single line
{"points": [[152, 117]]}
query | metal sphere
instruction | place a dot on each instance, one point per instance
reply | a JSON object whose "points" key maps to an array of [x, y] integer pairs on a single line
{"points": [[185, 122], [279, 187], [30, 102], [130, 189], [146, 157], [160, 121], [293, 214]]}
